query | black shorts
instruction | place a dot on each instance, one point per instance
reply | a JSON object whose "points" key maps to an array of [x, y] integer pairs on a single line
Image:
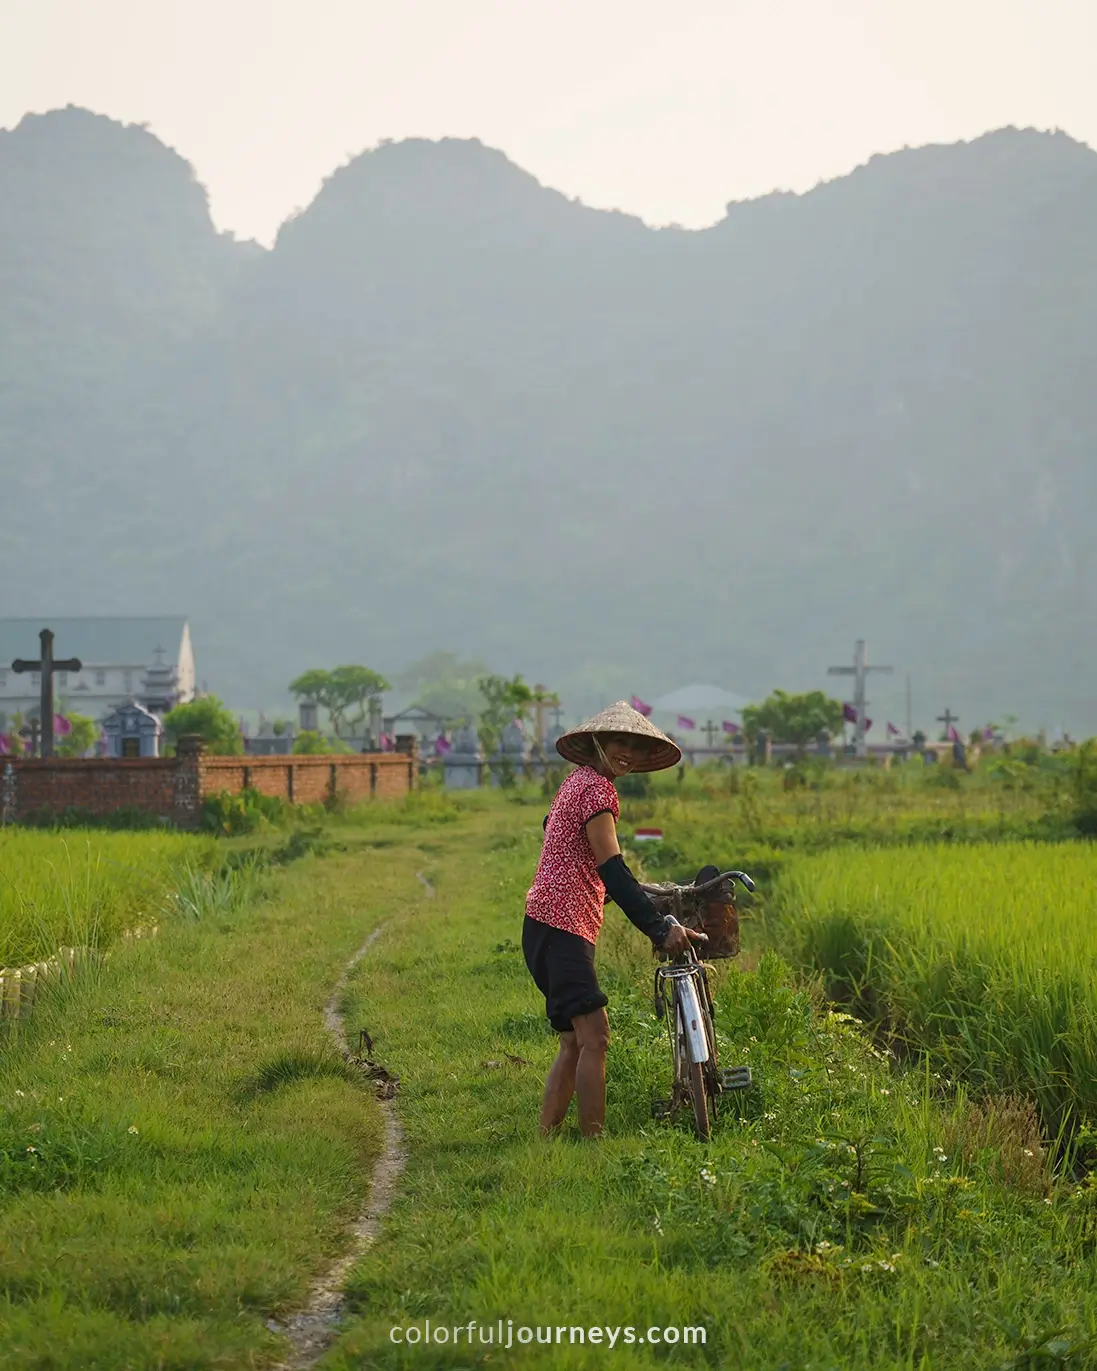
{"points": [[562, 964]]}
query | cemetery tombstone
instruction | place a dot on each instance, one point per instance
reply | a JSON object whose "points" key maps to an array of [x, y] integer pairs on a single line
{"points": [[464, 763], [376, 722], [763, 749], [132, 731], [512, 755]]}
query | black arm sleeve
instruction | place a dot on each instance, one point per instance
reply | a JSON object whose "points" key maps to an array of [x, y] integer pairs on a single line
{"points": [[624, 889]]}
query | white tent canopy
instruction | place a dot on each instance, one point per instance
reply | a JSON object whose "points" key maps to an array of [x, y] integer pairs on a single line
{"points": [[699, 699]]}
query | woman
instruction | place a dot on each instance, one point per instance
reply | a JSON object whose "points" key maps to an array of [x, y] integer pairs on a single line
{"points": [[580, 865]]}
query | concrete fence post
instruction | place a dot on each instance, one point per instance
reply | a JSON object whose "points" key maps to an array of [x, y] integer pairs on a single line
{"points": [[9, 795], [187, 788]]}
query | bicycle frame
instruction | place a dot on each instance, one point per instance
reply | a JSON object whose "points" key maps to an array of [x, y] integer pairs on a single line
{"points": [[698, 1079], [688, 1003]]}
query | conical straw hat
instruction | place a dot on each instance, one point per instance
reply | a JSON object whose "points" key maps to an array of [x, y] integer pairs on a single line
{"points": [[575, 744]]}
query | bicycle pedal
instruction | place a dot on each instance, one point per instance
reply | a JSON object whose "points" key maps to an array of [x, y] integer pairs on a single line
{"points": [[662, 1109], [735, 1078]]}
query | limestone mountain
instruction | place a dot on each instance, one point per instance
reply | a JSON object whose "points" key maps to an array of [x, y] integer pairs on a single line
{"points": [[453, 408]]}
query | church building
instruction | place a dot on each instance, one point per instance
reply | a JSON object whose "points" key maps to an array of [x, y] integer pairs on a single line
{"points": [[147, 660]]}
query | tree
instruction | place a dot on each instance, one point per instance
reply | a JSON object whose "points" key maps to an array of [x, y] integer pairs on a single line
{"points": [[789, 718], [83, 732], [309, 743], [210, 719], [340, 690], [504, 700]]}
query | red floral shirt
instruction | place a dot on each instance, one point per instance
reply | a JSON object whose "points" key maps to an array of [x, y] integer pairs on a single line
{"points": [[567, 891]]}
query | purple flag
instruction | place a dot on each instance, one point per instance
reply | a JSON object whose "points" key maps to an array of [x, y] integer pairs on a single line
{"points": [[849, 714], [684, 722], [953, 735], [61, 726], [731, 728], [988, 733], [387, 745], [5, 744], [639, 706], [893, 732], [442, 745]]}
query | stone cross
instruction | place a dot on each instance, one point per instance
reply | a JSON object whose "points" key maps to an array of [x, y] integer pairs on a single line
{"points": [[47, 666], [32, 731], [859, 671], [542, 701], [710, 730], [948, 719]]}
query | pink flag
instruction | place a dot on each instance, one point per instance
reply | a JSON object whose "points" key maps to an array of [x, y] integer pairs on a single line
{"points": [[442, 745], [639, 706], [61, 726], [387, 745], [731, 728], [684, 722], [893, 732], [953, 735], [5, 744]]}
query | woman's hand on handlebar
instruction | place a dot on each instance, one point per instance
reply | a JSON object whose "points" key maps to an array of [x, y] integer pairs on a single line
{"points": [[679, 938]]}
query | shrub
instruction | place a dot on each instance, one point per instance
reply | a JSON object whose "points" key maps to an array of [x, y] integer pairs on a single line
{"points": [[229, 815]]}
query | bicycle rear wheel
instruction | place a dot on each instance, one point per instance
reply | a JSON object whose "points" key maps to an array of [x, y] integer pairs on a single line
{"points": [[699, 1095]]}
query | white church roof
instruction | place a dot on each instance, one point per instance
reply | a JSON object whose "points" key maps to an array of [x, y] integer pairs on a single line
{"points": [[115, 641]]}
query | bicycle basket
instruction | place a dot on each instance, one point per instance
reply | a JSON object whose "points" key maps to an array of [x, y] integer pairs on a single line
{"points": [[712, 913]]}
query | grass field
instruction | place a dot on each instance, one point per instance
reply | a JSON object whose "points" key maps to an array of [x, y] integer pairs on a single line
{"points": [[181, 1151], [847, 1220], [81, 889], [985, 954]]}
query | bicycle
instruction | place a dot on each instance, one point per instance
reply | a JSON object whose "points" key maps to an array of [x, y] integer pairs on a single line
{"points": [[683, 998]]}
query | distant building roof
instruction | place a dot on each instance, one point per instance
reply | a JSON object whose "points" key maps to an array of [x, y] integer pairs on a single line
{"points": [[108, 640], [699, 699]]}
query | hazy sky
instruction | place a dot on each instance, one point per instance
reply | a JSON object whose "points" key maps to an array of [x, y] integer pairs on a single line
{"points": [[665, 108]]}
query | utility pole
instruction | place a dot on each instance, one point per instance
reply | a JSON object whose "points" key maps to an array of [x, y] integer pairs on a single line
{"points": [[910, 733], [859, 671]]}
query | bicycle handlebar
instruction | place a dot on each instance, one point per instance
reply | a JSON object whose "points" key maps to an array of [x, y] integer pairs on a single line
{"points": [[740, 876]]}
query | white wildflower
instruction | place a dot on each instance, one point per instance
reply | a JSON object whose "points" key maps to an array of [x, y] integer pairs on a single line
{"points": [[132, 1128]]}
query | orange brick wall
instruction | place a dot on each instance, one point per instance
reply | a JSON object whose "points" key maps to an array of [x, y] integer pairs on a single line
{"points": [[174, 787]]}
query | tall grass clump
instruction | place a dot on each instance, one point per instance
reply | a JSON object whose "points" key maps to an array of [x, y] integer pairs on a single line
{"points": [[982, 954], [83, 889], [200, 894]]}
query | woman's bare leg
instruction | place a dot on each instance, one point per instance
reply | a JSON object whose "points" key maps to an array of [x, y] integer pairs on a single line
{"points": [[592, 1035], [560, 1085]]}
